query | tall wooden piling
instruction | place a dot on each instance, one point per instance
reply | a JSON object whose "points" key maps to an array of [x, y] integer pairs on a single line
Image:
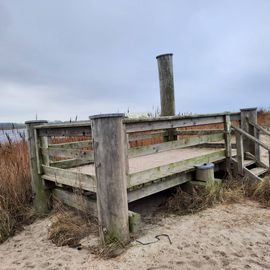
{"points": [[41, 195], [110, 152], [166, 83], [249, 115]]}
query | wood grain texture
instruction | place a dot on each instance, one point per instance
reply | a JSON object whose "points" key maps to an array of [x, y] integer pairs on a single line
{"points": [[41, 196], [111, 166], [70, 178], [149, 175], [155, 148]]}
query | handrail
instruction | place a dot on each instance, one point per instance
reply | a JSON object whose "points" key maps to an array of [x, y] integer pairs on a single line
{"points": [[241, 131], [129, 121], [170, 122], [234, 115], [263, 130], [86, 123]]}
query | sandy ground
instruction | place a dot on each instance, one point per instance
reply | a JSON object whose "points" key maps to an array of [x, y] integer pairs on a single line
{"points": [[225, 237]]}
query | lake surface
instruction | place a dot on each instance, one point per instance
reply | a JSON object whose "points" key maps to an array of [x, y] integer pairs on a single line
{"points": [[12, 135]]}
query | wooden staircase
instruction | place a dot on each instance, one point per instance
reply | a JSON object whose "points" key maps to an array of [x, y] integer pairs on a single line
{"points": [[253, 169], [247, 164]]}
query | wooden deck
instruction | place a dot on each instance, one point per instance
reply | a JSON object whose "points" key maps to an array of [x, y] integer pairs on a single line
{"points": [[147, 162]]}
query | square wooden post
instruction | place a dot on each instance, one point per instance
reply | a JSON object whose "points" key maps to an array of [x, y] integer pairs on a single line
{"points": [[227, 137], [240, 153], [110, 154], [41, 195], [249, 114]]}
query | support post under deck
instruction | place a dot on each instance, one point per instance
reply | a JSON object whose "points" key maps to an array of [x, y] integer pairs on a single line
{"points": [[111, 166]]}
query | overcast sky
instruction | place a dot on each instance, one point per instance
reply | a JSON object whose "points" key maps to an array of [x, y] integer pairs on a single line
{"points": [[63, 58]]}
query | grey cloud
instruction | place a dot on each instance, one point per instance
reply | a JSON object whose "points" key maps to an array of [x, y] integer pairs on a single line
{"points": [[84, 57]]}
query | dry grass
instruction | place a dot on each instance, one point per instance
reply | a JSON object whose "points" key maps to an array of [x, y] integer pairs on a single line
{"points": [[69, 227], [15, 188], [110, 250], [201, 197], [232, 190], [262, 192]]}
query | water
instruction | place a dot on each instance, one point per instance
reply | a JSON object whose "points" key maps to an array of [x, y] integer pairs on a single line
{"points": [[12, 135]]}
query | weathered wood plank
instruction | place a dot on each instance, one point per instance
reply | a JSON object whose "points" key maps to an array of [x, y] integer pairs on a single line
{"points": [[172, 168], [157, 186], [251, 175], [65, 131], [72, 145], [239, 130], [166, 122], [141, 137], [76, 201], [70, 163], [69, 153], [155, 148], [259, 162], [263, 130], [89, 206], [198, 132], [70, 178], [75, 124]]}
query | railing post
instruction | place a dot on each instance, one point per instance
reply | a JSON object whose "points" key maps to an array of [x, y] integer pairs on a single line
{"points": [[249, 114], [257, 146], [269, 161], [227, 137], [41, 196], [166, 83], [110, 152], [240, 152]]}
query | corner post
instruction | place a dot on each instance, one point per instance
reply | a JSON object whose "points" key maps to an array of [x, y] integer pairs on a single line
{"points": [[41, 196], [110, 152], [227, 137], [166, 83], [249, 114]]}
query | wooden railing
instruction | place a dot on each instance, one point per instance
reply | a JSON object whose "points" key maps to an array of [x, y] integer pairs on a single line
{"points": [[240, 133]]}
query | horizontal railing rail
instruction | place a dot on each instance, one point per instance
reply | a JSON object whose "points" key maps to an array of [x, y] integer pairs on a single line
{"points": [[252, 138], [169, 122], [258, 127], [176, 144]]}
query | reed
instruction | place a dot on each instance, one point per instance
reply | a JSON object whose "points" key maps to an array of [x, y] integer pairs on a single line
{"points": [[15, 188]]}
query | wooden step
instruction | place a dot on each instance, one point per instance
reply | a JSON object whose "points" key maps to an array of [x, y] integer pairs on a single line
{"points": [[248, 162], [258, 171]]}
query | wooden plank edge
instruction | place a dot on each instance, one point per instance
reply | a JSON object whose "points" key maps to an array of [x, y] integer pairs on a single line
{"points": [[157, 186], [89, 206], [149, 175]]}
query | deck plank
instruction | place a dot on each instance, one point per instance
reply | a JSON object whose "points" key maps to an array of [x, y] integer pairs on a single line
{"points": [[142, 163]]}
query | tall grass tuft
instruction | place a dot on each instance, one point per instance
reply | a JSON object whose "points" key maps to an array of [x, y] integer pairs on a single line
{"points": [[200, 198], [15, 187], [262, 192]]}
